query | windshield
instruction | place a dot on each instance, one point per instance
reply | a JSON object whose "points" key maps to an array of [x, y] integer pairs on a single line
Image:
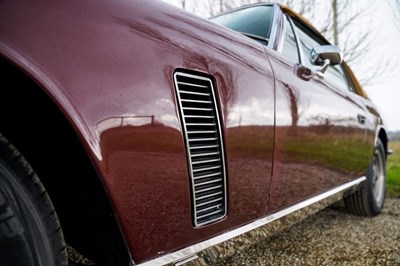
{"points": [[254, 22]]}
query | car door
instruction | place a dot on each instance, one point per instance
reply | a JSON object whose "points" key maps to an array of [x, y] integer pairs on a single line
{"points": [[320, 139]]}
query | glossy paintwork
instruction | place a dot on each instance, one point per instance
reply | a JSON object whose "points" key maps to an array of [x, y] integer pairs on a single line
{"points": [[109, 66], [319, 141]]}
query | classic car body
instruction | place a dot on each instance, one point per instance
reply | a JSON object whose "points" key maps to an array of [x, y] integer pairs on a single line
{"points": [[95, 100]]}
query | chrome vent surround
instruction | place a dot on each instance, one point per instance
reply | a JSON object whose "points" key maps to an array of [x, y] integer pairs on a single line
{"points": [[204, 146]]}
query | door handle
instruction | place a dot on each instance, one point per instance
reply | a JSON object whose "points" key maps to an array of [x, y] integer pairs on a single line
{"points": [[361, 119]]}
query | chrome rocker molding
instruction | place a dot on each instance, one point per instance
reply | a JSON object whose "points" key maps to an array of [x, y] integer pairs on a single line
{"points": [[228, 244]]}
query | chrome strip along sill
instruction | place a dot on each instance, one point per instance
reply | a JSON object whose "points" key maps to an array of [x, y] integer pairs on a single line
{"points": [[209, 253]]}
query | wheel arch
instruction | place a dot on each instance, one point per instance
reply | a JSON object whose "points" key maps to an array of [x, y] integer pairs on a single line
{"points": [[47, 139], [382, 135]]}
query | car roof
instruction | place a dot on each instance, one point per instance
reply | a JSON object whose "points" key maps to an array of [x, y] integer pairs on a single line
{"points": [[299, 17]]}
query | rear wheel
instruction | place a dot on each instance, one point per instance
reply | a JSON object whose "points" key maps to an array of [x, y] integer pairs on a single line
{"points": [[368, 201], [30, 233]]}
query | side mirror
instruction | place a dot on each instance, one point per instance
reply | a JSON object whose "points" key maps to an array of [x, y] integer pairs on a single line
{"points": [[324, 56], [326, 52]]}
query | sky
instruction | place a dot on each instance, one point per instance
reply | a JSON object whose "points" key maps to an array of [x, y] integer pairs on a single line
{"points": [[385, 91]]}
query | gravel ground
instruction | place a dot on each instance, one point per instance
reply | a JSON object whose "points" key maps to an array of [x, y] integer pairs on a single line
{"points": [[332, 237]]}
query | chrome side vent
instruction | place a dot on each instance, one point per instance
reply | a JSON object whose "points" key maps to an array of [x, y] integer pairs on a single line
{"points": [[204, 145]]}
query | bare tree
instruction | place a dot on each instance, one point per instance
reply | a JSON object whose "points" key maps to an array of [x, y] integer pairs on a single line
{"points": [[356, 42], [293, 96], [214, 7], [341, 21], [335, 22], [396, 4], [344, 23]]}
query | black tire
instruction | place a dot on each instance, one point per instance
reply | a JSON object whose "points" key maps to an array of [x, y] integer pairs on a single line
{"points": [[30, 233], [369, 199]]}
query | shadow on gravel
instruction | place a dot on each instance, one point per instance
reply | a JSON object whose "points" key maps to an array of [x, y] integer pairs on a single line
{"points": [[332, 237]]}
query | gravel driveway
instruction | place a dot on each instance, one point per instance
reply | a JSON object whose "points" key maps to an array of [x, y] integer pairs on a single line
{"points": [[332, 237]]}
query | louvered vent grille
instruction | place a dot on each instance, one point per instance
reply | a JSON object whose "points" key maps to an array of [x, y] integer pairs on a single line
{"points": [[201, 125]]}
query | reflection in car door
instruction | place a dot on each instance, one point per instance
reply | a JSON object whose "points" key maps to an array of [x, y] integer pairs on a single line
{"points": [[319, 133]]}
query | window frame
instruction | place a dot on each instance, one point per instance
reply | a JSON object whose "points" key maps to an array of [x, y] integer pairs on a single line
{"points": [[297, 25], [283, 38]]}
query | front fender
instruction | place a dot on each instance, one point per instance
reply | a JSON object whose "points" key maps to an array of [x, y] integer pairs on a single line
{"points": [[109, 67]]}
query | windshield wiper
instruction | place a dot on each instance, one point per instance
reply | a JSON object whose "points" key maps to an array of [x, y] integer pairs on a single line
{"points": [[256, 37]]}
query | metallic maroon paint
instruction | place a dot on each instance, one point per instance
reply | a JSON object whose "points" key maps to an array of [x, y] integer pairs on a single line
{"points": [[319, 141], [109, 66]]}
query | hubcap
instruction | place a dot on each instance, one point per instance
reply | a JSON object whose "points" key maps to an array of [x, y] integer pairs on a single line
{"points": [[378, 181]]}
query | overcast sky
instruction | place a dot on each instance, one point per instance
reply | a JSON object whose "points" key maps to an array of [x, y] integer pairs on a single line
{"points": [[385, 93]]}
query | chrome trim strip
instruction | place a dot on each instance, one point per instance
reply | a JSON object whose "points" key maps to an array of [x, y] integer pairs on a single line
{"points": [[208, 182], [209, 208], [191, 84], [209, 196], [276, 27], [196, 248], [209, 214], [203, 147], [208, 202], [200, 124], [199, 116], [204, 176], [195, 101], [197, 108], [206, 169], [208, 189], [205, 139], [202, 132], [195, 93], [205, 154], [185, 260], [206, 161]]}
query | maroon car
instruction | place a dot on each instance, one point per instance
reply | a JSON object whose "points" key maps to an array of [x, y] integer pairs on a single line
{"points": [[135, 133]]}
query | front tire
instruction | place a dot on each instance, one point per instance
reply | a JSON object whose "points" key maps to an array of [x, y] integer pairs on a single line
{"points": [[30, 233], [369, 199]]}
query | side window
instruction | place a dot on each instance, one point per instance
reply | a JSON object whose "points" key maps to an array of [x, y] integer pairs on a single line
{"points": [[353, 83], [308, 40], [289, 48], [335, 75]]}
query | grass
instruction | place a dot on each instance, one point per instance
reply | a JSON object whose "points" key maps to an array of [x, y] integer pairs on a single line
{"points": [[393, 170], [329, 150]]}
